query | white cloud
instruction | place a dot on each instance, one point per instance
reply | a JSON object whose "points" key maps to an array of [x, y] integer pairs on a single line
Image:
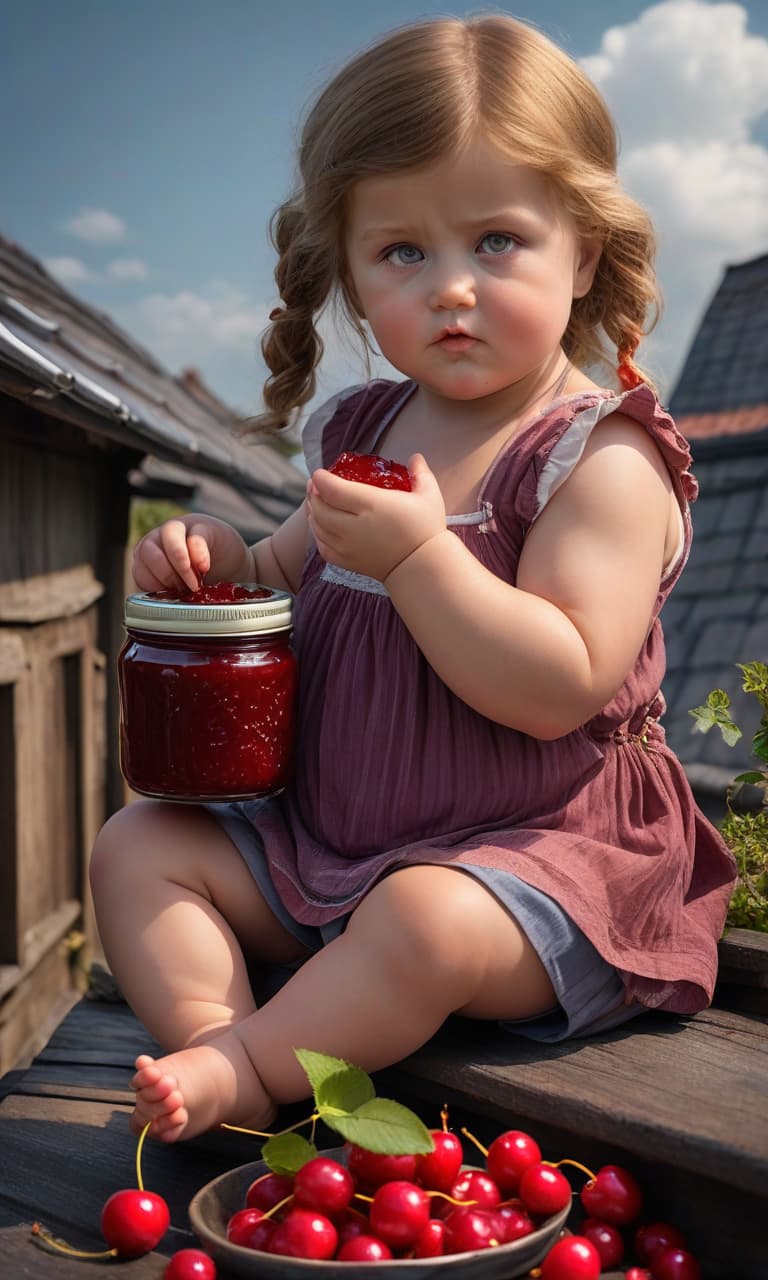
{"points": [[216, 331], [686, 84], [128, 269], [68, 270], [692, 65], [219, 332], [96, 226]]}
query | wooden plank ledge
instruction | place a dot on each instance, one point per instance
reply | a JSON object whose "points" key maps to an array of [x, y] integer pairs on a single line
{"points": [[692, 1092]]}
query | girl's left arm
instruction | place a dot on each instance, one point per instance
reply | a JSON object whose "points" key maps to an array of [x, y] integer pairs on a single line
{"points": [[547, 654]]}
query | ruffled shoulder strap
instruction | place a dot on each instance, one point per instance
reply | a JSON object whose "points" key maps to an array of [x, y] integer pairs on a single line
{"points": [[350, 420], [562, 433]]}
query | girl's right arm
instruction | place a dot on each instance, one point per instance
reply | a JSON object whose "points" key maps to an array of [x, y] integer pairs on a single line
{"points": [[178, 553]]}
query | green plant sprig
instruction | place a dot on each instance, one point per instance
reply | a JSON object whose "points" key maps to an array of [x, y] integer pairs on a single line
{"points": [[745, 833], [345, 1100]]}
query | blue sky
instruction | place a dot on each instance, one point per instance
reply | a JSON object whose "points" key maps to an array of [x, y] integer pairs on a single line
{"points": [[148, 141]]}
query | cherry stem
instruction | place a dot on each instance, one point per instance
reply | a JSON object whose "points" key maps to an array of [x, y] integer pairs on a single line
{"points": [[555, 1164], [444, 1117], [42, 1236], [472, 1138], [279, 1205], [144, 1132], [256, 1133], [444, 1196]]}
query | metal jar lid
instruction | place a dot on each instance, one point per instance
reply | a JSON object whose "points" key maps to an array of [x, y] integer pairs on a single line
{"points": [[260, 615]]}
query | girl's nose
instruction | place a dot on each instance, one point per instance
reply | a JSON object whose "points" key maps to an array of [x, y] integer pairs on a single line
{"points": [[452, 287]]}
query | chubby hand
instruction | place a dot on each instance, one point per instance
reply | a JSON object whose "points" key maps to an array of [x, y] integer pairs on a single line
{"points": [[180, 552], [371, 530]]}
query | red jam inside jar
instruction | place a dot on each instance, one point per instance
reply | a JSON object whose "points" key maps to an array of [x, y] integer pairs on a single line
{"points": [[207, 693]]}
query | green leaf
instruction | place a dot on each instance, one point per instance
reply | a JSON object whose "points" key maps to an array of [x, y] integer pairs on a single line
{"points": [[754, 777], [716, 712], [321, 1066], [345, 1091], [755, 677], [760, 742], [287, 1152], [385, 1127], [730, 731]]}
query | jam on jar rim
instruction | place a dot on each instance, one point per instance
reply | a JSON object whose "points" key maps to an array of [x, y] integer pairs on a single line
{"points": [[267, 611]]}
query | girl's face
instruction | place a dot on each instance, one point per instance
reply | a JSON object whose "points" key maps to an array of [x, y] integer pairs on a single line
{"points": [[465, 270]]}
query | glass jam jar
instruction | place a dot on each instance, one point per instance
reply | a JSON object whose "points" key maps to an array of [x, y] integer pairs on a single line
{"points": [[207, 693]]}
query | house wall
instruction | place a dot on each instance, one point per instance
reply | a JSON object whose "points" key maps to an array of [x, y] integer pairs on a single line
{"points": [[63, 524]]}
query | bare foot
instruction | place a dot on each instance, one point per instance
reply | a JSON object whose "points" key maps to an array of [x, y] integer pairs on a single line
{"points": [[185, 1093]]}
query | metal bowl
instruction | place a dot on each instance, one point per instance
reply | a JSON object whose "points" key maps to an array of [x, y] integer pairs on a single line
{"points": [[213, 1206]]}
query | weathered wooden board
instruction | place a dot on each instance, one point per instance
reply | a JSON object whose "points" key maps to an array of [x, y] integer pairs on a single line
{"points": [[694, 1087], [682, 1103], [63, 1158]]}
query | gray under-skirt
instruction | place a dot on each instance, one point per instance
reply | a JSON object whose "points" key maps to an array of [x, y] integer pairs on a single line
{"points": [[589, 991]]}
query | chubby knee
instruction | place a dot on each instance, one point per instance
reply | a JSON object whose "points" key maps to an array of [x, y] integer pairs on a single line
{"points": [[429, 918], [124, 844]]}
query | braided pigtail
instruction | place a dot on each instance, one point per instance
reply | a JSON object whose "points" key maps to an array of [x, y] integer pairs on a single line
{"points": [[624, 302], [292, 348]]}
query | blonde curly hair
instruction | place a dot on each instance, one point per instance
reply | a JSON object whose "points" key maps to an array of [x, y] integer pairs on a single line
{"points": [[418, 94]]}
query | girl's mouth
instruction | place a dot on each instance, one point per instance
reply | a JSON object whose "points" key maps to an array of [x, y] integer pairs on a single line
{"points": [[456, 341]]}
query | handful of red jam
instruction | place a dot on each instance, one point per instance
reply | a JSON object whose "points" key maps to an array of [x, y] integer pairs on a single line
{"points": [[370, 468], [216, 593]]}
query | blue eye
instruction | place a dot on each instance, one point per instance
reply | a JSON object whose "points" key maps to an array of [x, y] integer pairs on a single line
{"points": [[403, 255], [497, 243]]}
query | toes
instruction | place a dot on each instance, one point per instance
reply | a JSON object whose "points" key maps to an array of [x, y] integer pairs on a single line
{"points": [[147, 1074], [165, 1092]]}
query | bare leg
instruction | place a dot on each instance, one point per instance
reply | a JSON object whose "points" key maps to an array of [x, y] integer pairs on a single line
{"points": [[427, 941], [178, 911]]}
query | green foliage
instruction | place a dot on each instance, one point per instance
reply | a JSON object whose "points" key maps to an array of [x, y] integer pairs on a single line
{"points": [[716, 711], [147, 514], [345, 1100], [287, 1152], [747, 836], [745, 831]]}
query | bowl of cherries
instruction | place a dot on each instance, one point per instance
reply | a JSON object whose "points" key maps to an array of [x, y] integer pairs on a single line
{"points": [[348, 1208], [400, 1198]]}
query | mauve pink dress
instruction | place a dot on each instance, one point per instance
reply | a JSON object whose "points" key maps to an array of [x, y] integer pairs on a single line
{"points": [[395, 769]]}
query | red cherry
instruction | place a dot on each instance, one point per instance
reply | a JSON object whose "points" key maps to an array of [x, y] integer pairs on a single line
{"points": [[399, 1213], [371, 469], [349, 1224], [374, 1170], [638, 1273], [474, 1187], [190, 1264], [439, 1169], [260, 1235], [242, 1223], [304, 1233], [134, 1221], [515, 1222], [268, 1190], [467, 1229], [612, 1195], [607, 1240], [654, 1236], [323, 1184], [430, 1242], [364, 1249], [509, 1156], [574, 1258], [544, 1190], [672, 1263]]}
